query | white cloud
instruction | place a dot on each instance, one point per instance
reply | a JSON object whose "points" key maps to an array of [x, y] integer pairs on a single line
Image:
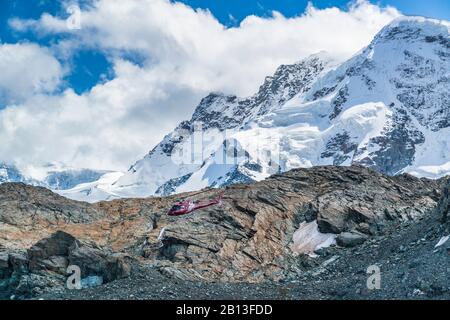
{"points": [[186, 53], [109, 127], [46, 24], [26, 70]]}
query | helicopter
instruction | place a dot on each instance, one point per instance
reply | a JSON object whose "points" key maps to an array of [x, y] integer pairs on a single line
{"points": [[187, 206]]}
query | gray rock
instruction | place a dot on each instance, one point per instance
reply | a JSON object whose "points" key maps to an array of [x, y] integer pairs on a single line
{"points": [[96, 261], [443, 207], [43, 266], [18, 260], [4, 266], [349, 239], [57, 244]]}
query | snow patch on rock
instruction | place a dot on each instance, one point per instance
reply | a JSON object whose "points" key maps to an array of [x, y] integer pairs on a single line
{"points": [[307, 239]]}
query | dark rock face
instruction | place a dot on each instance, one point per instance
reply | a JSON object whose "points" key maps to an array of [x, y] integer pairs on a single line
{"points": [[170, 186], [236, 176], [443, 207], [420, 78], [50, 253], [44, 266], [397, 145], [288, 81], [420, 99], [96, 261], [4, 265], [339, 101], [350, 239], [341, 148]]}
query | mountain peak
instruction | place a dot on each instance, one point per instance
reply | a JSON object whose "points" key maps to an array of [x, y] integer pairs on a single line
{"points": [[416, 20], [414, 28], [386, 108]]}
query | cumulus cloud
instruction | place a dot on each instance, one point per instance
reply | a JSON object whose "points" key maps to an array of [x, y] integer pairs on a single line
{"points": [[109, 127], [26, 70], [184, 54]]}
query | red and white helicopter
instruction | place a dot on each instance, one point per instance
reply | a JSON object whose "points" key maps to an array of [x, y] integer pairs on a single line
{"points": [[187, 206]]}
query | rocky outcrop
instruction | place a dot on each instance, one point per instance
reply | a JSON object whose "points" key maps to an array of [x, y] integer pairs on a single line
{"points": [[249, 237], [22, 205], [443, 207], [44, 266], [350, 239]]}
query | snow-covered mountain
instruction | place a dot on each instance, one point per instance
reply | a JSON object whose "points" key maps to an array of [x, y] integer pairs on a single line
{"points": [[70, 178], [387, 108], [53, 176], [96, 190], [160, 172], [10, 173]]}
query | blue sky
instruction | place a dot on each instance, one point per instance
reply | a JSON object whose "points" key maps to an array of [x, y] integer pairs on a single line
{"points": [[87, 68], [224, 9]]}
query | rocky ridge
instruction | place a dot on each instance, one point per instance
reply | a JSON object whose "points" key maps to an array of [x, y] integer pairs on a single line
{"points": [[249, 238]]}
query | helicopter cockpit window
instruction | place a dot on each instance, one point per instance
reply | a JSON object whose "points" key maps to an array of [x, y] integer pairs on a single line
{"points": [[176, 207]]}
